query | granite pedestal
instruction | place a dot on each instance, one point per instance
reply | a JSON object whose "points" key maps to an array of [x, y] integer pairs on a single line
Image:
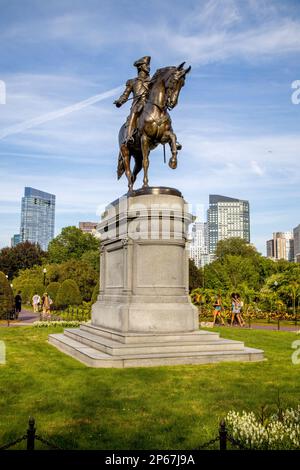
{"points": [[143, 315]]}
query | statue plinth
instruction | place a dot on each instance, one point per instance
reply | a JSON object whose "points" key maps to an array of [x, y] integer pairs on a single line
{"points": [[143, 316], [144, 264]]}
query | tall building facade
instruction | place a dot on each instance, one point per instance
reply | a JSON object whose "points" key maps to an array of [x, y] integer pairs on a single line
{"points": [[15, 240], [37, 217], [296, 233], [281, 246], [227, 217], [199, 244]]}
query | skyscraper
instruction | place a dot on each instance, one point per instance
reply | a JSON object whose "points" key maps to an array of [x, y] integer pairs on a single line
{"points": [[296, 233], [37, 217], [227, 217], [15, 240], [199, 244], [281, 246]]}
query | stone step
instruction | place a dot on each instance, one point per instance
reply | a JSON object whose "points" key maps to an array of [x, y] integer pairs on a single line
{"points": [[153, 337], [94, 358], [115, 348]]}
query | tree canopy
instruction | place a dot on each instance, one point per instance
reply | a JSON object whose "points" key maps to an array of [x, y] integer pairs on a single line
{"points": [[6, 297], [235, 246], [22, 256], [72, 243]]}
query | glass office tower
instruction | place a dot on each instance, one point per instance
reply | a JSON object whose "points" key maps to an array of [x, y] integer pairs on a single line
{"points": [[37, 217], [227, 217]]}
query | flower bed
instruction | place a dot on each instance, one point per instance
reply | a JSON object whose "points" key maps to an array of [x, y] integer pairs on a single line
{"points": [[280, 431]]}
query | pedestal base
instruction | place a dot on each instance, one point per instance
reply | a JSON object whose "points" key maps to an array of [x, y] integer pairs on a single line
{"points": [[98, 347], [143, 315]]}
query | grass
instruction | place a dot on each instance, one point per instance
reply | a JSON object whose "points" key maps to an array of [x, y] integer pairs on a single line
{"points": [[147, 408]]}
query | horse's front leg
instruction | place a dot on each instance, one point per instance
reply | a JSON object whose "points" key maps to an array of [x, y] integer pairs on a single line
{"points": [[145, 152], [126, 157], [173, 147]]}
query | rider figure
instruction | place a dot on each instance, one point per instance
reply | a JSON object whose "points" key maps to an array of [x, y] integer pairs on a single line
{"points": [[139, 87]]}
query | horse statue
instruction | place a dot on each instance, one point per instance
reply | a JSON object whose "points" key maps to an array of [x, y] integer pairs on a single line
{"points": [[154, 125]]}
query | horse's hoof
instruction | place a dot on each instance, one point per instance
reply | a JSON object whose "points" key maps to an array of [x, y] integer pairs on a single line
{"points": [[178, 146], [145, 185], [173, 163]]}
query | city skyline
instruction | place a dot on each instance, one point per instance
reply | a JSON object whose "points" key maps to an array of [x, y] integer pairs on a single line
{"points": [[239, 128], [37, 217]]}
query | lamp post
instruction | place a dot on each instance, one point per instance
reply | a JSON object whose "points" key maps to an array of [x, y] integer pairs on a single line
{"points": [[45, 272]]}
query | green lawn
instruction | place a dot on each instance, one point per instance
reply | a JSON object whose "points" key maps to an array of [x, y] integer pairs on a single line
{"points": [[148, 408]]}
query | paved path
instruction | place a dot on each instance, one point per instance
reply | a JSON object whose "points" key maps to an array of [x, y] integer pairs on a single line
{"points": [[26, 317], [256, 326]]}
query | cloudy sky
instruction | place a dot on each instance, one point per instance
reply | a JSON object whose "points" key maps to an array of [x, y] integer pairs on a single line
{"points": [[65, 61]]}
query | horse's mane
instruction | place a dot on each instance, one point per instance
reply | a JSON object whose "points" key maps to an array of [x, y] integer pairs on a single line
{"points": [[160, 73]]}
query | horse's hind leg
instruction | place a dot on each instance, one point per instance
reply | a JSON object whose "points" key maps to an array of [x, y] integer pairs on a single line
{"points": [[138, 158], [126, 157]]}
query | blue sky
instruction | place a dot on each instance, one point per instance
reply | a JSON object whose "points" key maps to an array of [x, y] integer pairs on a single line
{"points": [[235, 118]]}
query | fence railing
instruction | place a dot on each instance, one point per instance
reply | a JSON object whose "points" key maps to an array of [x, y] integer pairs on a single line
{"points": [[30, 437], [223, 439]]}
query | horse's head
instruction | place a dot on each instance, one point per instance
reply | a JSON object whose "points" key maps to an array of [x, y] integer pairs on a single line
{"points": [[174, 82]]}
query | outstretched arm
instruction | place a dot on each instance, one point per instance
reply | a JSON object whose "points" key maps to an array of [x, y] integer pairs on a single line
{"points": [[124, 97]]}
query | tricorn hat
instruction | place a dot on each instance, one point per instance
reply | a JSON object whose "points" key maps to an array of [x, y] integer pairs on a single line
{"points": [[143, 60]]}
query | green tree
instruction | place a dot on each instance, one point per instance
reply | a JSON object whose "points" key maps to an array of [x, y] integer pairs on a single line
{"points": [[235, 246], [92, 257], [68, 294], [72, 243], [81, 272], [6, 297], [53, 289], [195, 277], [22, 256], [231, 273]]}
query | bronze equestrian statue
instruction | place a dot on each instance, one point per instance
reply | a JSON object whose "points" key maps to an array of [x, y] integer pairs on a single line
{"points": [[149, 122]]}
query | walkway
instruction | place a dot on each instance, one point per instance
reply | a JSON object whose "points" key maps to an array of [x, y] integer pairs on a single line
{"points": [[26, 318]]}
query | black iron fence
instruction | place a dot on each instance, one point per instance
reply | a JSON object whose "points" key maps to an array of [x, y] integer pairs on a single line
{"points": [[30, 437], [71, 314], [223, 439]]}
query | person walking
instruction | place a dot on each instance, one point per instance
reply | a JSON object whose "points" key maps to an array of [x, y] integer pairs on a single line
{"points": [[46, 304], [236, 307], [36, 300], [18, 304], [217, 313]]}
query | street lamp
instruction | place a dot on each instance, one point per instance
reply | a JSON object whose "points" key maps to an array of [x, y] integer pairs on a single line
{"points": [[45, 272]]}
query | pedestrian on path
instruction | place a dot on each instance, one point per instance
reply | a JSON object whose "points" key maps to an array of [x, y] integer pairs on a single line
{"points": [[46, 303], [236, 307], [36, 300], [217, 313], [18, 304]]}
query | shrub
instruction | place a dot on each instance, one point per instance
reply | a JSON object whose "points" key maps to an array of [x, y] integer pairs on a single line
{"points": [[68, 294], [53, 289], [65, 324], [6, 297]]}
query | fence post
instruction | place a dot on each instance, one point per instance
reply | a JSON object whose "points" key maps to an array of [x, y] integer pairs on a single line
{"points": [[278, 325], [31, 434], [223, 435]]}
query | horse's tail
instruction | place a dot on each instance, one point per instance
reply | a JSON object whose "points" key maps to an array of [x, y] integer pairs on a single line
{"points": [[121, 167]]}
